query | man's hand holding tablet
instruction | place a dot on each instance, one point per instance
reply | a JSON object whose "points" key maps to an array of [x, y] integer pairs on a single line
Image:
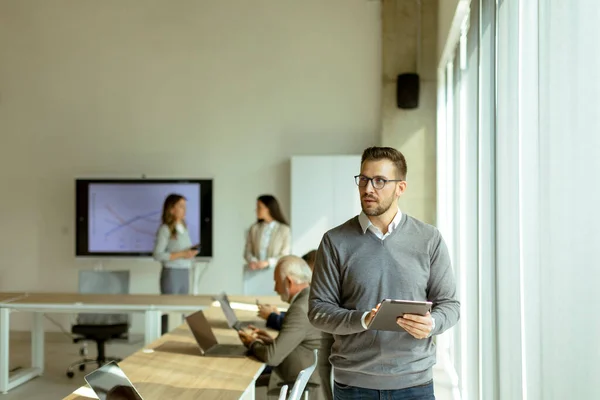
{"points": [[412, 316]]}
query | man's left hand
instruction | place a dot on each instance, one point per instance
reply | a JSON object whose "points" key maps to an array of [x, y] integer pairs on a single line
{"points": [[246, 338], [419, 326], [261, 335]]}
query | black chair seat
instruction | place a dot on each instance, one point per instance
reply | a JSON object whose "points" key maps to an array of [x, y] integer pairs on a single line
{"points": [[100, 332], [100, 328]]}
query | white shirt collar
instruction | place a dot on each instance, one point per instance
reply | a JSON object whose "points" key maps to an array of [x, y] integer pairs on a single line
{"points": [[365, 222]]}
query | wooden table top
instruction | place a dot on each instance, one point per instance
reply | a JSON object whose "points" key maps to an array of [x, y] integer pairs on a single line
{"points": [[45, 298], [172, 367], [113, 299], [8, 296]]}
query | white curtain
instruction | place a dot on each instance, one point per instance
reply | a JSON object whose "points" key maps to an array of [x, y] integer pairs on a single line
{"points": [[518, 198], [568, 354], [547, 216]]}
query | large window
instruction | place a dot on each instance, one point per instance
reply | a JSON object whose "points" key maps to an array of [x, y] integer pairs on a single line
{"points": [[518, 142], [466, 132]]}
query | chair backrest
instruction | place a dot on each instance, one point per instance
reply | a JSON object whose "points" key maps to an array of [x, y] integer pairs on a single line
{"points": [[283, 392], [103, 282], [302, 379]]}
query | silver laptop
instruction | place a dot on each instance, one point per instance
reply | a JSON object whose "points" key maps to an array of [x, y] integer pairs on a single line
{"points": [[109, 382], [230, 316], [207, 340]]}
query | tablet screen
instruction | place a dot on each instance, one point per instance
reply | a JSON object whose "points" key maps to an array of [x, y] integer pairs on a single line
{"points": [[390, 310], [110, 383]]}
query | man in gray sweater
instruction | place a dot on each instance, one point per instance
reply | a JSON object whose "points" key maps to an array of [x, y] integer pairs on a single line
{"points": [[382, 253]]}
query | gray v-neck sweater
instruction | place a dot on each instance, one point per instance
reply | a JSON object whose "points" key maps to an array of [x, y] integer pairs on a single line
{"points": [[353, 272]]}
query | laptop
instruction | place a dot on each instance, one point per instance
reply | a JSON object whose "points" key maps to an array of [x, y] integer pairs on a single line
{"points": [[230, 316], [109, 382], [207, 340]]}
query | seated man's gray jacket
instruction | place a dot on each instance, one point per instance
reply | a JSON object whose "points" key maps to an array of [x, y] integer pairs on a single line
{"points": [[292, 350]]}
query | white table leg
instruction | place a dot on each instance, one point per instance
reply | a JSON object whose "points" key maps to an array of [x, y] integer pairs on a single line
{"points": [[37, 342], [4, 356], [250, 393], [153, 330]]}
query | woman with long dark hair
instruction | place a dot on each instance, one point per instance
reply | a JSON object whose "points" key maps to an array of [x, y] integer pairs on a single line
{"points": [[268, 240], [173, 249]]}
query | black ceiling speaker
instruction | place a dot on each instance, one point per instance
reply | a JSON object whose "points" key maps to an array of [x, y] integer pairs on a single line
{"points": [[407, 91]]}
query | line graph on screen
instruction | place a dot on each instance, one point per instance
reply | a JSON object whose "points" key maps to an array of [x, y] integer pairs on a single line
{"points": [[133, 223], [126, 217]]}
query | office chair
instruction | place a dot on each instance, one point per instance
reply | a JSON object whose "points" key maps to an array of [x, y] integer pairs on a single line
{"points": [[283, 392], [301, 385], [100, 328]]}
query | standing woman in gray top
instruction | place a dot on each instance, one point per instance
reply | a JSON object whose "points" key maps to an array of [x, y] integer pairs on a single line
{"points": [[173, 248], [268, 240]]}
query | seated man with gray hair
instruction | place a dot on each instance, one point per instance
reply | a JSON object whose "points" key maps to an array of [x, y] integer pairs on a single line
{"points": [[292, 350], [270, 313]]}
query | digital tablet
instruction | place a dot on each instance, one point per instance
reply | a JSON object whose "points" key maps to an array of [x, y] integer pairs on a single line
{"points": [[390, 310], [109, 382]]}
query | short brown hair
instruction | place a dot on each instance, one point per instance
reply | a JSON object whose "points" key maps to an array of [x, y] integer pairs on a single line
{"points": [[386, 153]]}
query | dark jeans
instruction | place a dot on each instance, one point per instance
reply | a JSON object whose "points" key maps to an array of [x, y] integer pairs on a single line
{"points": [[344, 392]]}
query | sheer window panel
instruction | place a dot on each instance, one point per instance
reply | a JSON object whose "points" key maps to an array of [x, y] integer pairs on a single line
{"points": [[569, 142], [468, 204], [488, 357]]}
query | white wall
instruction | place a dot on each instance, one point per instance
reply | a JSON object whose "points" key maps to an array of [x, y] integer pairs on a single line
{"points": [[324, 195], [411, 131], [226, 89], [446, 13]]}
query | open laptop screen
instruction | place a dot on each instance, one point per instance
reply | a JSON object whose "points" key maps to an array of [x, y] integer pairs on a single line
{"points": [[201, 330], [110, 383], [227, 310]]}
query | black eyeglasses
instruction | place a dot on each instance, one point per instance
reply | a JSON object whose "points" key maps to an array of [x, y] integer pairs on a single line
{"points": [[378, 183]]}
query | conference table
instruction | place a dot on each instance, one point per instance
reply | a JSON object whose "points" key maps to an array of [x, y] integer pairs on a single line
{"points": [[172, 367], [7, 297], [152, 306]]}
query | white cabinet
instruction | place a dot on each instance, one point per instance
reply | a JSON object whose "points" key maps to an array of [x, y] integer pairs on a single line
{"points": [[323, 196]]}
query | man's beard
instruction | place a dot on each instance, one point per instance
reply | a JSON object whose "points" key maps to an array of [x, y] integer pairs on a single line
{"points": [[285, 296], [379, 210]]}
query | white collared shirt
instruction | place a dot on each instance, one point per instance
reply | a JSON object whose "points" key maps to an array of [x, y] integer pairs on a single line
{"points": [[265, 239], [366, 224]]}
